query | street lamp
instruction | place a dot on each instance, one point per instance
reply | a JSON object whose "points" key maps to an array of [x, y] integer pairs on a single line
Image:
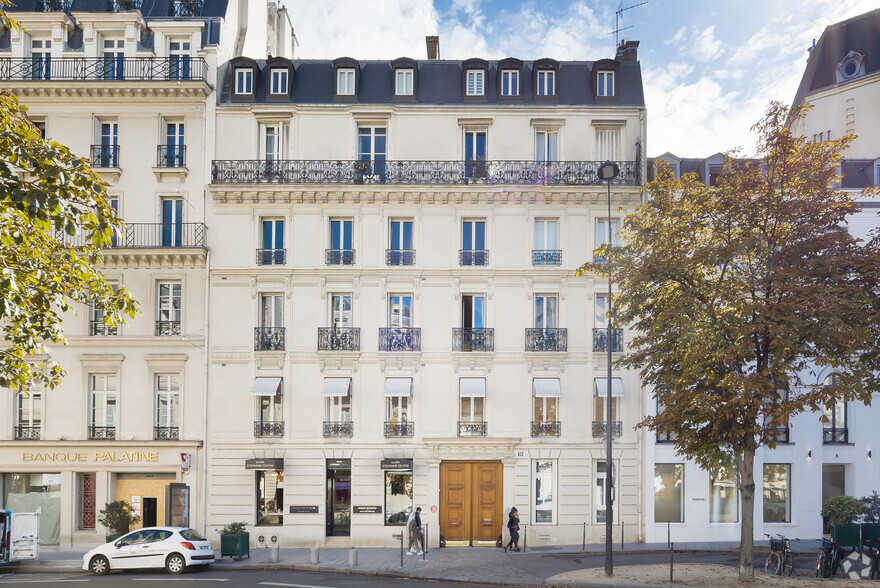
{"points": [[607, 172]]}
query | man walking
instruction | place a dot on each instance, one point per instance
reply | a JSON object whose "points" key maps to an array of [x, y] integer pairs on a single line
{"points": [[414, 527]]}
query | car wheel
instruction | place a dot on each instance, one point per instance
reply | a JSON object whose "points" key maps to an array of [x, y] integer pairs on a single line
{"points": [[175, 564], [99, 565]]}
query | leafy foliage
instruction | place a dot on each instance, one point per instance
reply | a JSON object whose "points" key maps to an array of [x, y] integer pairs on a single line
{"points": [[236, 528], [842, 510], [736, 291], [54, 219], [872, 507], [117, 517]]}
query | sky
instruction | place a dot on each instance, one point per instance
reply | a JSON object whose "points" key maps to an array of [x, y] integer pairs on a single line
{"points": [[709, 68]]}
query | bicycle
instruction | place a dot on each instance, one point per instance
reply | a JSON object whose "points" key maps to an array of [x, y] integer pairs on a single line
{"points": [[780, 562], [875, 560], [828, 560]]}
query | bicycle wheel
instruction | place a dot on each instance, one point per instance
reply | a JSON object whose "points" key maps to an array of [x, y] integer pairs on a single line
{"points": [[772, 564], [820, 564], [788, 565]]}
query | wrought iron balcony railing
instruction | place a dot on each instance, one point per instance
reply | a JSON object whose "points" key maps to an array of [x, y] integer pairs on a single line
{"points": [[546, 339], [303, 171], [667, 437], [268, 428], [600, 340], [167, 328], [399, 429], [269, 339], [153, 69], [185, 8], [96, 432], [472, 428], [271, 256], [166, 433], [339, 338], [123, 5], [105, 155], [53, 5], [546, 257], [101, 328], [27, 431], [150, 235], [599, 428], [546, 428], [473, 339], [171, 156], [473, 257], [835, 435], [400, 339], [338, 429], [339, 256], [400, 257]]}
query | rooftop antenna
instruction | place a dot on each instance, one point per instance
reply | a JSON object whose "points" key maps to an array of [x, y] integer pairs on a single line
{"points": [[619, 15]]}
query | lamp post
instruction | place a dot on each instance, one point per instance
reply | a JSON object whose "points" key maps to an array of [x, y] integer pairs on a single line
{"points": [[607, 172]]}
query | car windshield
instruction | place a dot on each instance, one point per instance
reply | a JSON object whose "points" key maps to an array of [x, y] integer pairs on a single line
{"points": [[192, 535]]}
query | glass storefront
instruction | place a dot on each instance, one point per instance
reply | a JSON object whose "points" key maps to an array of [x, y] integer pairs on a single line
{"points": [[28, 492], [270, 497], [398, 497]]}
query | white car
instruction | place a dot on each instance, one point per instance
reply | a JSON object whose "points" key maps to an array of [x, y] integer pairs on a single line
{"points": [[172, 548]]}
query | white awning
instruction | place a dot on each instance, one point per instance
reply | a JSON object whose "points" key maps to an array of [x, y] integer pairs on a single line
{"points": [[336, 387], [547, 387], [266, 387], [398, 386], [472, 387], [616, 387]]}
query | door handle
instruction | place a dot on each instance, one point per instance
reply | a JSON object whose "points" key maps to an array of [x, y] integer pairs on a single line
{"points": [[487, 520]]}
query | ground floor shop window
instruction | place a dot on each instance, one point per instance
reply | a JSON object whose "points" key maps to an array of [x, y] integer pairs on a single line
{"points": [[398, 497], [270, 497], [543, 506], [599, 510], [668, 493], [86, 500], [777, 493], [28, 492], [723, 498]]}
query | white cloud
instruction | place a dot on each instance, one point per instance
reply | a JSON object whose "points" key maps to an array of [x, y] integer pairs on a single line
{"points": [[676, 37], [704, 46]]}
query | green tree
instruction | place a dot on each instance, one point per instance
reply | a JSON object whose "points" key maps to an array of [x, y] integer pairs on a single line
{"points": [[737, 291], [54, 220]]}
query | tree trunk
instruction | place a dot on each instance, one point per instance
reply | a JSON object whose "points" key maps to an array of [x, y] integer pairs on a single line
{"points": [[747, 529]]}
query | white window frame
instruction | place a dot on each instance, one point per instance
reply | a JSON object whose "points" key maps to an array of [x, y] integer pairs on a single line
{"points": [[400, 321], [599, 495], [471, 402], [102, 388], [165, 303], [244, 80], [275, 406], [545, 244], [603, 77], [337, 409], [545, 306], [602, 231], [546, 80], [172, 393], [547, 140], [397, 409], [345, 80], [271, 310], [403, 82], [476, 85], [278, 81], [340, 318], [607, 143], [509, 82], [272, 132], [544, 477], [29, 401], [541, 408]]}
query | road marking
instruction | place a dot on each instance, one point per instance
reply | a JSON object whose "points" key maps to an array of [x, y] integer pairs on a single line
{"points": [[40, 581], [181, 579], [291, 585]]}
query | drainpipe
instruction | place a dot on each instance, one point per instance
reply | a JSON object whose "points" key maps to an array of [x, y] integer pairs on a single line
{"points": [[205, 394]]}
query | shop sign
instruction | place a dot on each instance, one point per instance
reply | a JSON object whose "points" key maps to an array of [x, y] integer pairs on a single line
{"points": [[338, 464], [185, 461], [397, 464], [86, 457], [367, 509], [300, 509], [264, 463]]}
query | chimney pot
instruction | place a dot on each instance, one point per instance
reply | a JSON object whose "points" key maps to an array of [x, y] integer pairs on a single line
{"points": [[433, 44], [627, 51]]}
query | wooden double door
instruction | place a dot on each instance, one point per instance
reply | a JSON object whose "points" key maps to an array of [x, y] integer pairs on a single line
{"points": [[470, 502]]}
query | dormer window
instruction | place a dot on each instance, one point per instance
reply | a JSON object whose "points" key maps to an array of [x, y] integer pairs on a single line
{"points": [[278, 81], [546, 83], [345, 82], [510, 82], [404, 82], [605, 85], [852, 66], [244, 80], [475, 82]]}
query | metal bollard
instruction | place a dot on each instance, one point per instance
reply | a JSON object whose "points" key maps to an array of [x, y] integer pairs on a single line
{"points": [[584, 549], [352, 557], [525, 538], [401, 548], [671, 559], [621, 534], [424, 540], [273, 554], [314, 556]]}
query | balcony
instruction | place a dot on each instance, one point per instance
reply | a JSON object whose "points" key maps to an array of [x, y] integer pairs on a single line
{"points": [[339, 338], [123, 5], [835, 435], [185, 8], [546, 428], [400, 257], [271, 256], [77, 69], [269, 339], [53, 6], [473, 257], [150, 236], [338, 429], [400, 339], [546, 339], [399, 429], [26, 432], [167, 328], [171, 156], [105, 155], [600, 340], [268, 428], [101, 328], [166, 433], [472, 428], [473, 340], [599, 429], [546, 257], [102, 432], [339, 256], [408, 172]]}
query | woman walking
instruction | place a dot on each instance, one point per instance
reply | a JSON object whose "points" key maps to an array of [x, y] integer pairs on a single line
{"points": [[513, 527]]}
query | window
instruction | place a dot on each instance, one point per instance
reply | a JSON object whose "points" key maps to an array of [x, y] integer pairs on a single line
{"points": [[401, 251], [607, 144], [599, 421], [172, 153], [471, 409], [41, 127], [473, 243], [602, 231], [244, 80], [271, 141], [114, 59], [599, 492], [668, 493], [345, 82], [85, 490], [400, 311], [510, 82], [168, 309], [777, 493], [341, 252], [179, 61], [398, 497], [371, 154], [397, 409], [723, 497], [605, 83], [545, 251], [546, 146], [338, 408], [97, 326], [41, 59], [543, 507], [665, 436], [105, 154], [404, 83], [473, 311], [475, 154], [271, 311], [172, 222], [546, 83], [102, 398], [269, 415], [272, 241], [545, 409], [601, 311], [545, 311], [270, 497], [28, 414], [340, 311], [475, 82], [834, 429], [278, 81], [167, 425]]}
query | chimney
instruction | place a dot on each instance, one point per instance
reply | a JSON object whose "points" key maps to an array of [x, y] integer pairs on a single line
{"points": [[628, 51], [433, 43]]}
